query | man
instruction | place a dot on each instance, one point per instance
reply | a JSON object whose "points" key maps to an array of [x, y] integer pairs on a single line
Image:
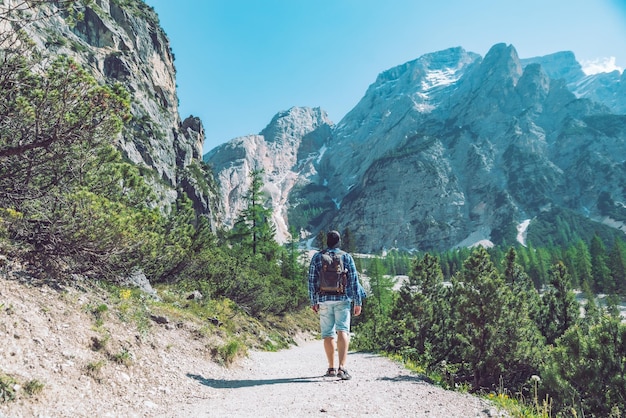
{"points": [[334, 309]]}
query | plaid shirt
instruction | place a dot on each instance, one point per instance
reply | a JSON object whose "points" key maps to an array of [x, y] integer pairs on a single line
{"points": [[352, 290]]}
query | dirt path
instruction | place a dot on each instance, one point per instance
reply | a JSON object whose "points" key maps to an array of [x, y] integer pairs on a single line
{"points": [[48, 336], [289, 384]]}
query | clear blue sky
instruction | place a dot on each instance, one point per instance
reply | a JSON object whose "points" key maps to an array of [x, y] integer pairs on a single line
{"points": [[239, 62]]}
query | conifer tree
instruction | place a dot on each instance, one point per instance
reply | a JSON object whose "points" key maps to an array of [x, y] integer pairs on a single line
{"points": [[560, 309], [527, 295], [432, 311], [582, 264], [293, 266], [380, 285], [585, 373], [592, 311], [497, 339], [617, 266], [600, 272], [80, 208], [253, 228], [534, 267]]}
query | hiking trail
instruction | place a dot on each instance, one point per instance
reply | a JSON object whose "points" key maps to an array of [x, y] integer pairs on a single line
{"points": [[289, 383]]}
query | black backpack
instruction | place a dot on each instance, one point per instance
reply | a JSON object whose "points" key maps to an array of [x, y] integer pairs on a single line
{"points": [[333, 277]]}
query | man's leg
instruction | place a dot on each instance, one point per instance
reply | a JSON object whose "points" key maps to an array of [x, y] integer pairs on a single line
{"points": [[327, 325], [343, 338], [343, 343], [329, 348]]}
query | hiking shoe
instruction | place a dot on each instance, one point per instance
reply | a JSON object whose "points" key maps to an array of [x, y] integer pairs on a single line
{"points": [[343, 374], [331, 372]]}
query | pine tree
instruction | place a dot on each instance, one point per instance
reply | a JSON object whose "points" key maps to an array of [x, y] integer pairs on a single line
{"points": [[253, 228], [585, 373], [522, 287], [432, 310], [600, 272], [560, 309], [381, 285], [592, 311], [617, 266], [79, 208], [534, 267], [293, 265], [582, 263], [496, 337]]}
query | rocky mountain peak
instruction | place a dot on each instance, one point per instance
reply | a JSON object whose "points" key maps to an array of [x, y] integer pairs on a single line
{"points": [[448, 150], [560, 65], [533, 86], [284, 150], [501, 62], [293, 124]]}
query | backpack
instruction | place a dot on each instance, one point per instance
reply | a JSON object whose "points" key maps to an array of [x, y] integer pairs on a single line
{"points": [[333, 277]]}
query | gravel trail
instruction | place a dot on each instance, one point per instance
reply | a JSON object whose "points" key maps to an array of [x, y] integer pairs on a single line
{"points": [[48, 336], [288, 383]]}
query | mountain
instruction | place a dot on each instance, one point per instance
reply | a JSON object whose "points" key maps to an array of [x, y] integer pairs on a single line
{"points": [[606, 88], [446, 150], [122, 42], [443, 151], [286, 150]]}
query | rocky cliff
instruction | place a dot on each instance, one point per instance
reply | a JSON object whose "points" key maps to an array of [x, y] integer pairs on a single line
{"points": [[447, 150], [286, 150], [122, 42]]}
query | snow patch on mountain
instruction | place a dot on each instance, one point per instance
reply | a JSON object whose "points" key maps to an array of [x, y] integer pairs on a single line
{"points": [[441, 77], [521, 231], [322, 152], [477, 238]]}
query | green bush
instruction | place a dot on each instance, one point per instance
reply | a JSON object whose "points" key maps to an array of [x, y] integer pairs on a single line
{"points": [[230, 351]]}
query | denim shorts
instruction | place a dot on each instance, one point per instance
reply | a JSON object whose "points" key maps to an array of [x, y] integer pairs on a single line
{"points": [[334, 316]]}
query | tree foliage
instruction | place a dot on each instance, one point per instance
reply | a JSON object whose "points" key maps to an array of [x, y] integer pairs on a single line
{"points": [[586, 370], [76, 205], [253, 229], [69, 202], [560, 309], [248, 266], [490, 327]]}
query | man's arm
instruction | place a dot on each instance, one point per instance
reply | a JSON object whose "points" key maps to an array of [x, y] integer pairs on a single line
{"points": [[313, 296], [353, 283]]}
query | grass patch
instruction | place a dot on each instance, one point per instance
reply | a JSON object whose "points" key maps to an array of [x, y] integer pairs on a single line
{"points": [[10, 388], [229, 352], [7, 388], [94, 369], [33, 387], [124, 357], [516, 406]]}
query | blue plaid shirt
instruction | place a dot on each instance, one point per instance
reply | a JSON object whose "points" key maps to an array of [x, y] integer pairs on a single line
{"points": [[352, 291]]}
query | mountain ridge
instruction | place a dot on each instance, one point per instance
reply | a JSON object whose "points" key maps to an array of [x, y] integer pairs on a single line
{"points": [[487, 143]]}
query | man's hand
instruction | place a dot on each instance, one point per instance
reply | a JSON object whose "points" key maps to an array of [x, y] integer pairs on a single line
{"points": [[357, 310], [315, 308]]}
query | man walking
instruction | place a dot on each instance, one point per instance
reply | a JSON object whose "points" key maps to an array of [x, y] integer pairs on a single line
{"points": [[334, 306]]}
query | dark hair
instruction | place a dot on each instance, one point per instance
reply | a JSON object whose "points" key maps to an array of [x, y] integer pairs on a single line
{"points": [[332, 239]]}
